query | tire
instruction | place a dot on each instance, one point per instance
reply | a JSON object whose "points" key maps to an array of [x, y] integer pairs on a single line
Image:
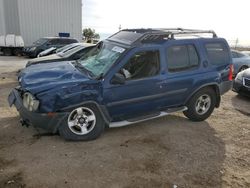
{"points": [[201, 105], [7, 52], [82, 124], [243, 68], [17, 52]]}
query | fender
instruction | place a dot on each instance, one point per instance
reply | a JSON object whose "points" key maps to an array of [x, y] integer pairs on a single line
{"points": [[215, 87], [102, 109]]}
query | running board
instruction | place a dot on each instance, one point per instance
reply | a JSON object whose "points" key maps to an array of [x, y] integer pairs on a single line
{"points": [[160, 114]]}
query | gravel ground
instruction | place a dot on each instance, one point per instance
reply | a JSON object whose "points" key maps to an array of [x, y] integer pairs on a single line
{"points": [[158, 153]]}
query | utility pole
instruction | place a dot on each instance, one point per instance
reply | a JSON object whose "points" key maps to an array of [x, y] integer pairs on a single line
{"points": [[236, 43]]}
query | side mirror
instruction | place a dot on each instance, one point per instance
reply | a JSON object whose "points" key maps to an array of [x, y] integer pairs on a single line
{"points": [[118, 79]]}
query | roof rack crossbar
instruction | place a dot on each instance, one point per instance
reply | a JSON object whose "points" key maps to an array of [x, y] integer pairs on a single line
{"points": [[173, 31], [160, 34]]}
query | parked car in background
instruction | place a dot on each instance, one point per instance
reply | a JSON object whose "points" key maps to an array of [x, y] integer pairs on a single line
{"points": [[241, 83], [246, 52], [75, 52], [241, 61], [46, 52], [54, 50], [133, 76], [45, 43]]}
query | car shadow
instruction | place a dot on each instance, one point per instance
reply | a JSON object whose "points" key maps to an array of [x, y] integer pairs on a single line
{"points": [[162, 152], [171, 151], [241, 104]]}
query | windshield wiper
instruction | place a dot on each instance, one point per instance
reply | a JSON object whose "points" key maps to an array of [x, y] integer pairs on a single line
{"points": [[82, 68], [100, 76]]}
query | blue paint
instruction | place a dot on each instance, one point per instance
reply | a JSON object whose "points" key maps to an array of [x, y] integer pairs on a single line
{"points": [[58, 85]]}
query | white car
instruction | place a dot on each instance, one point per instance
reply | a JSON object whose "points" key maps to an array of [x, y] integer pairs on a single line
{"points": [[54, 50]]}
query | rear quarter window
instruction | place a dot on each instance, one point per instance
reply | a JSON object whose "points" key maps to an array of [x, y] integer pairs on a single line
{"points": [[217, 53], [69, 41]]}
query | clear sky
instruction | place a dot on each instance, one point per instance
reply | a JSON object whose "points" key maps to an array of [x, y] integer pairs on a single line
{"points": [[229, 18]]}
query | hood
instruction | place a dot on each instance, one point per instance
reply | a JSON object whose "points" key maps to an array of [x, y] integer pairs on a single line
{"points": [[45, 58], [43, 77]]}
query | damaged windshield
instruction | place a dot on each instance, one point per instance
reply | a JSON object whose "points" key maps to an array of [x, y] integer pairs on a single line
{"points": [[99, 59]]}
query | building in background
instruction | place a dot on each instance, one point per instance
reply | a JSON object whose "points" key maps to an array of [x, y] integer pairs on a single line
{"points": [[33, 19]]}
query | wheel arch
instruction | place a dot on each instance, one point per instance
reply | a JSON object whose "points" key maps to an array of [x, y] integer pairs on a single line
{"points": [[213, 86], [245, 66], [102, 109]]}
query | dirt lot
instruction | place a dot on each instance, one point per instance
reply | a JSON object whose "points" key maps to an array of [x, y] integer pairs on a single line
{"points": [[159, 153]]}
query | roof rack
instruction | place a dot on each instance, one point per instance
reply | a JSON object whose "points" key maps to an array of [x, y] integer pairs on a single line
{"points": [[160, 34]]}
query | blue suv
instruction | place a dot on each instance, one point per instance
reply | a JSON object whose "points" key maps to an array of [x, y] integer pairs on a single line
{"points": [[134, 75]]}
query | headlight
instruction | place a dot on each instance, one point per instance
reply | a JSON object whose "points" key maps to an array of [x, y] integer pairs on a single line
{"points": [[33, 48], [30, 102], [239, 76]]}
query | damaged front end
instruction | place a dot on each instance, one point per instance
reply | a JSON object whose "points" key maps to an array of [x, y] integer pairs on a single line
{"points": [[46, 92]]}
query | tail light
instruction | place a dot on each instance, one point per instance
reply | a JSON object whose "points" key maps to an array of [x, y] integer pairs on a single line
{"points": [[231, 71]]}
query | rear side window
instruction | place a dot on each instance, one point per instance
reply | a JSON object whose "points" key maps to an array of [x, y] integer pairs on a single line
{"points": [[54, 41], [68, 41], [182, 58], [217, 53]]}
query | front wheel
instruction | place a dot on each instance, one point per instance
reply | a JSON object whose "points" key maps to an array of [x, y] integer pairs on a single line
{"points": [[83, 123], [201, 105]]}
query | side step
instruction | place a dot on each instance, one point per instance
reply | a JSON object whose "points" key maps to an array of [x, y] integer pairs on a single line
{"points": [[147, 117]]}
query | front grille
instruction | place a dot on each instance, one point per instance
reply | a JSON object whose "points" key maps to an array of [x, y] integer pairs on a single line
{"points": [[246, 82]]}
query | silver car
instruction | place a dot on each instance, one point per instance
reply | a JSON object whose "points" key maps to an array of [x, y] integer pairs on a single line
{"points": [[241, 61]]}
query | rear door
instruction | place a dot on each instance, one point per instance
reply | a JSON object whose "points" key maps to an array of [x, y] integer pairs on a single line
{"points": [[183, 64]]}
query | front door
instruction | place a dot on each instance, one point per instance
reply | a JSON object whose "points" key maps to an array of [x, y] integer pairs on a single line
{"points": [[141, 92]]}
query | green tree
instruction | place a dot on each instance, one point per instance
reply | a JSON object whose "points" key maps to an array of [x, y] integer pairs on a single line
{"points": [[90, 34]]}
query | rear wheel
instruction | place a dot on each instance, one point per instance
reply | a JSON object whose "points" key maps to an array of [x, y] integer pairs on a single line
{"points": [[7, 52], [201, 105], [17, 52], [83, 123]]}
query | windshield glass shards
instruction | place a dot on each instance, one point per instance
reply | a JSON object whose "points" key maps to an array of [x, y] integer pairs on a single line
{"points": [[99, 59]]}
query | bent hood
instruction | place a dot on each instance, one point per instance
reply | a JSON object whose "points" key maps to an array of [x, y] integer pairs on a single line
{"points": [[43, 77]]}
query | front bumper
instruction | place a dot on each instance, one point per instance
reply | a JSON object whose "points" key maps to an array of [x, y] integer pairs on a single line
{"points": [[47, 121], [238, 87]]}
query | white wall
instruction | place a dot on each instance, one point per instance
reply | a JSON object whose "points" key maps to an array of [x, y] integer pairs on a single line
{"points": [[2, 22], [41, 18]]}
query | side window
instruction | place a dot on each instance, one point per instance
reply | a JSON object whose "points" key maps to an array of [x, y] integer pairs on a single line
{"points": [[217, 53], [65, 41], [53, 42], [69, 41], [142, 65], [181, 58]]}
